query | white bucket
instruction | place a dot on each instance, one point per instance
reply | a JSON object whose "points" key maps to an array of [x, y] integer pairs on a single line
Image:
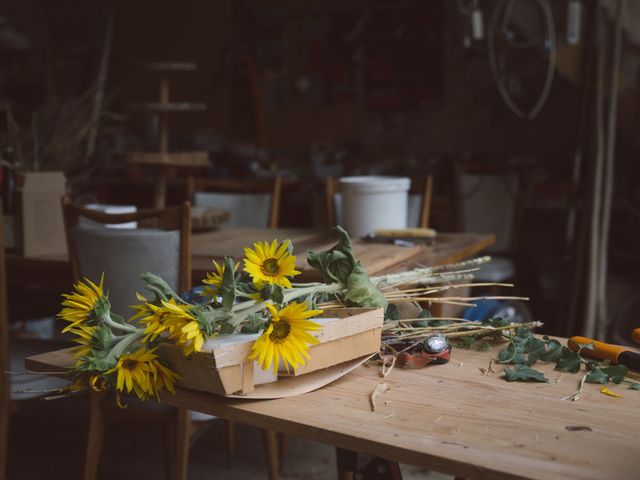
{"points": [[373, 202]]}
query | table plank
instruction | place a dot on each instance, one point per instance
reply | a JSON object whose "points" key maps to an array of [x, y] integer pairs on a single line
{"points": [[375, 257], [452, 419]]}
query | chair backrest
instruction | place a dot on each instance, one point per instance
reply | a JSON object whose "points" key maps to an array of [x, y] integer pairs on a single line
{"points": [[418, 208], [125, 254], [251, 202]]}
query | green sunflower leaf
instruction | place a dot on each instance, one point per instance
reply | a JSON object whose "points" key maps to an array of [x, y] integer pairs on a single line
{"points": [[228, 287], [254, 324], [277, 294], [523, 373], [337, 263]]}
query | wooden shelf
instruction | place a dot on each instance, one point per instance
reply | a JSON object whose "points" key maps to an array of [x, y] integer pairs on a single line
{"points": [[173, 107], [171, 159]]}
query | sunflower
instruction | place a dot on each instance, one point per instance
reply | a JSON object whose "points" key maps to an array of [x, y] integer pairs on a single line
{"points": [[87, 302], [176, 320], [85, 336], [270, 263], [141, 372], [214, 280], [286, 337]]}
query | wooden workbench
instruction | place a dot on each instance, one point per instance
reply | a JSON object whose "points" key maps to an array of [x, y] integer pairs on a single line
{"points": [[450, 418]]}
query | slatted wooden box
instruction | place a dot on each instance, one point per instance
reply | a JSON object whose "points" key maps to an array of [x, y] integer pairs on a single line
{"points": [[222, 367]]}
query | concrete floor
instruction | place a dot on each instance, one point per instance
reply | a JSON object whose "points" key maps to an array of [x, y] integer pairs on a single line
{"points": [[47, 442]]}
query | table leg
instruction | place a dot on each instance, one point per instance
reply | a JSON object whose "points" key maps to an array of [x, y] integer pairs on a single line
{"points": [[377, 468], [271, 453], [182, 443], [347, 463], [94, 437]]}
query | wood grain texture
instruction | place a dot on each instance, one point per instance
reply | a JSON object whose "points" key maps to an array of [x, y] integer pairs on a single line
{"points": [[375, 257], [453, 419]]}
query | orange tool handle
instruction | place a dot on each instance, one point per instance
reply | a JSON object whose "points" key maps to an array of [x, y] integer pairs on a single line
{"points": [[601, 350], [635, 335]]}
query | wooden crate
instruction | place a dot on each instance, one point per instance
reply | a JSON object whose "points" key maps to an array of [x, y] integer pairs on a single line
{"points": [[222, 366]]}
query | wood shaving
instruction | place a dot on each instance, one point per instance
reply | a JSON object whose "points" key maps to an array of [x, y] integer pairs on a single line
{"points": [[489, 370], [380, 388], [384, 370], [576, 395]]}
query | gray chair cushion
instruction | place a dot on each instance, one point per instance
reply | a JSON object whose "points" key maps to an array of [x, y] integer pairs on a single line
{"points": [[124, 255], [246, 209]]}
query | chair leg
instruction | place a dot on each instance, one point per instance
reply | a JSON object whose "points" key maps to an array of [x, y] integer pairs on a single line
{"points": [[94, 437], [182, 443], [169, 431], [230, 430], [282, 447], [346, 463], [271, 453]]}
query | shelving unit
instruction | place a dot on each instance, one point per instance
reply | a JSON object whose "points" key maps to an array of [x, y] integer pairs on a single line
{"points": [[166, 160]]}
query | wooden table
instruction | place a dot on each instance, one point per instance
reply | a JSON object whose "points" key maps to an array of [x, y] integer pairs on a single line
{"points": [[450, 418], [375, 257], [43, 280]]}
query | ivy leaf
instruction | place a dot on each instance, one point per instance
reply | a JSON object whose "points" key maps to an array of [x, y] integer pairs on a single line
{"points": [[588, 346], [570, 361], [228, 287], [597, 376], [536, 349], [467, 342], [616, 373], [511, 356], [554, 351], [523, 373], [391, 312]]}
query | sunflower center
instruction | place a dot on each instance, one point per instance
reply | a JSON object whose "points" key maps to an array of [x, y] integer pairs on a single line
{"points": [[270, 267], [280, 332], [129, 364]]}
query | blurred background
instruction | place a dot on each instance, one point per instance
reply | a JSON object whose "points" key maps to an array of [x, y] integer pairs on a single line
{"points": [[524, 112]]}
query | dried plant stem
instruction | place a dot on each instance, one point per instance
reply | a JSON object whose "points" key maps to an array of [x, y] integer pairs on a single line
{"points": [[455, 331]]}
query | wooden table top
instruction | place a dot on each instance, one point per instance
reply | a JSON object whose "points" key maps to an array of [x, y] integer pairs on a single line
{"points": [[375, 257], [450, 418]]}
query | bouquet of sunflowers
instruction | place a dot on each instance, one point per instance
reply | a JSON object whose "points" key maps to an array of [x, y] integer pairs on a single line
{"points": [[256, 295]]}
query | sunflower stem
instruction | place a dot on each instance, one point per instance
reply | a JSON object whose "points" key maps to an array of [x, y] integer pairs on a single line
{"points": [[107, 320], [120, 347]]}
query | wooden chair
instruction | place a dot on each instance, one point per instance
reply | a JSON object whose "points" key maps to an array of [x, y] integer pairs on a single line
{"points": [[12, 354], [173, 225], [420, 196], [251, 202]]}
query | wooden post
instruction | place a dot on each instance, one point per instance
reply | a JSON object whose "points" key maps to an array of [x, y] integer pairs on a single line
{"points": [[94, 437]]}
